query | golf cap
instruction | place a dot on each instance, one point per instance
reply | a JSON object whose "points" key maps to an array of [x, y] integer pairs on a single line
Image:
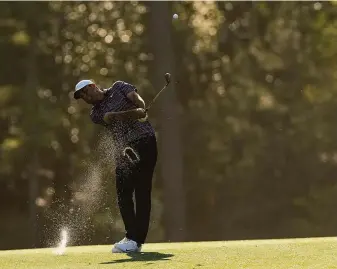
{"points": [[80, 85]]}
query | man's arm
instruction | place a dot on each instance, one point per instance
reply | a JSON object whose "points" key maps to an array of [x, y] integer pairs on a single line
{"points": [[136, 99], [133, 114]]}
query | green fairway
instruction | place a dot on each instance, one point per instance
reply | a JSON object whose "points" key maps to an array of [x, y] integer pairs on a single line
{"points": [[312, 253]]}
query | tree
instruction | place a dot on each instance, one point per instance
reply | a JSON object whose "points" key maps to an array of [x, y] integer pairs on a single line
{"points": [[170, 125]]}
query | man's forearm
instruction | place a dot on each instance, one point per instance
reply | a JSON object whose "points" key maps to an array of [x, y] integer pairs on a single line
{"points": [[136, 99], [139, 102], [132, 114]]}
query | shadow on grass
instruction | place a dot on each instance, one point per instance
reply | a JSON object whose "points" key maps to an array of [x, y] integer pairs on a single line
{"points": [[142, 256]]}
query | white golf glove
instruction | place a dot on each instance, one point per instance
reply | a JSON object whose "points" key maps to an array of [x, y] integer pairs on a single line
{"points": [[143, 119]]}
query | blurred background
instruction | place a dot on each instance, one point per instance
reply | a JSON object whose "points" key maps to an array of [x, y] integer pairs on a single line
{"points": [[247, 138]]}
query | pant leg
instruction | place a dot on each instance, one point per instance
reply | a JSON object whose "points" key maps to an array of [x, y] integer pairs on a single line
{"points": [[125, 180], [147, 150]]}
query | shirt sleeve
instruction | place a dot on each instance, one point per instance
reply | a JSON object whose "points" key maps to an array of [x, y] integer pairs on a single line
{"points": [[124, 87], [96, 117], [108, 91]]}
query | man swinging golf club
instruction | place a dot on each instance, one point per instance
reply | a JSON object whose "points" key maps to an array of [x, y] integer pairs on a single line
{"points": [[122, 110]]}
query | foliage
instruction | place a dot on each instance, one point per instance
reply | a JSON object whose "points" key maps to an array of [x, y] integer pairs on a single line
{"points": [[256, 88]]}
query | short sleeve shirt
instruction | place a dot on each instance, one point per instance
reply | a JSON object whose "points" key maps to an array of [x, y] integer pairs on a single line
{"points": [[115, 101]]}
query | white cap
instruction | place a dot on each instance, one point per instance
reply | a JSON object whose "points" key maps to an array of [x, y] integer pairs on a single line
{"points": [[80, 85]]}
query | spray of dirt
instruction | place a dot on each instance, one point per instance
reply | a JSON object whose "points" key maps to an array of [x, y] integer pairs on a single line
{"points": [[61, 249], [88, 194]]}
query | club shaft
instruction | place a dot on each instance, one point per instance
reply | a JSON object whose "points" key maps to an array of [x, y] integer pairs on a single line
{"points": [[157, 95]]}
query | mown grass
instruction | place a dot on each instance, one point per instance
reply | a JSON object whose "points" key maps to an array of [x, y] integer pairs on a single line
{"points": [[320, 253]]}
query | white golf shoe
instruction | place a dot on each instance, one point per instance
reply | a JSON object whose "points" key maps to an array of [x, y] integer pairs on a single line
{"points": [[126, 246], [116, 250]]}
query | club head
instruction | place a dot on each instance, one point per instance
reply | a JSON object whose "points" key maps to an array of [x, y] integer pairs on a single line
{"points": [[168, 78]]}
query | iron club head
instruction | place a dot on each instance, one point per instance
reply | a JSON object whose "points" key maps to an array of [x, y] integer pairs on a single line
{"points": [[168, 78]]}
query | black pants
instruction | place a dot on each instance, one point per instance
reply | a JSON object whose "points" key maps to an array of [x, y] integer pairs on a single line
{"points": [[134, 171]]}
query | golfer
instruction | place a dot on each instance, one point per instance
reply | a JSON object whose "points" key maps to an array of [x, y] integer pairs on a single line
{"points": [[122, 110]]}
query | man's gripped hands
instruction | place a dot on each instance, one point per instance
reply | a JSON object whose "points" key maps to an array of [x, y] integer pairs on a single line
{"points": [[143, 112]]}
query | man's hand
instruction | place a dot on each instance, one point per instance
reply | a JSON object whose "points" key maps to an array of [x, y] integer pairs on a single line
{"points": [[136, 99], [141, 112], [143, 119], [133, 114]]}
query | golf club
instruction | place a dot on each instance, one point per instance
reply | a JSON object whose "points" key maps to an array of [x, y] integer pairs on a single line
{"points": [[168, 80]]}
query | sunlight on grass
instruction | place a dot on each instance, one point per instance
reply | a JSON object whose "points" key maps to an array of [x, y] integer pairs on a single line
{"points": [[288, 253]]}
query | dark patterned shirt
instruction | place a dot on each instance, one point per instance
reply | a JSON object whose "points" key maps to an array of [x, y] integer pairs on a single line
{"points": [[116, 100]]}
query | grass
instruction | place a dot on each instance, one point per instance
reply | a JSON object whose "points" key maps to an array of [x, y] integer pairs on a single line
{"points": [[307, 253]]}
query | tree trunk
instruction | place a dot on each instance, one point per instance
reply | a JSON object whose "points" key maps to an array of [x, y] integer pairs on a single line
{"points": [[32, 162], [170, 152]]}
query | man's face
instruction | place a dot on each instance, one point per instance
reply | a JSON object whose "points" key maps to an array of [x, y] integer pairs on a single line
{"points": [[90, 94]]}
